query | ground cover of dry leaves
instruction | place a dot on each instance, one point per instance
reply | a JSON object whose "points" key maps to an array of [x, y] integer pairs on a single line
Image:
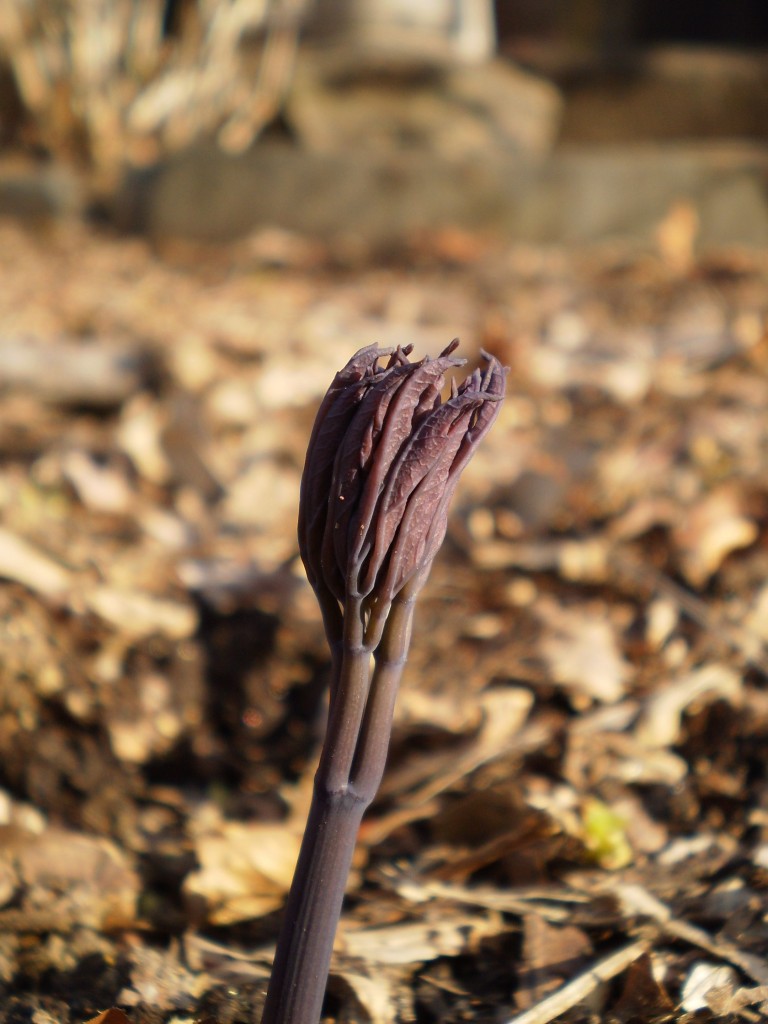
{"points": [[575, 815]]}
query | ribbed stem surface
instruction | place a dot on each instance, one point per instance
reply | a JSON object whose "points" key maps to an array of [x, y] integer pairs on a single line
{"points": [[351, 766], [303, 955]]}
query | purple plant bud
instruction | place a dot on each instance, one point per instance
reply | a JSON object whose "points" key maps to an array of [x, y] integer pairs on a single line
{"points": [[333, 417], [383, 461]]}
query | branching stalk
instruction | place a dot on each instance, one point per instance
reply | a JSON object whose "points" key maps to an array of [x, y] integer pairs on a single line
{"points": [[350, 770]]}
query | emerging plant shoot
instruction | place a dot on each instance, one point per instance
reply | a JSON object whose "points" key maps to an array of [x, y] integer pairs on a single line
{"points": [[383, 461]]}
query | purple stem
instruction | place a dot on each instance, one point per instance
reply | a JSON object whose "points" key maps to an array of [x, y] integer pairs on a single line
{"points": [[349, 773]]}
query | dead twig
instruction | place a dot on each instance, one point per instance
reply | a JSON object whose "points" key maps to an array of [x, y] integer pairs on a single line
{"points": [[638, 901], [582, 985]]}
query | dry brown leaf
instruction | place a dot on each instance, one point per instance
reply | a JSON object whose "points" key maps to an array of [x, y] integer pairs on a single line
{"points": [[25, 564], [710, 531], [704, 981], [138, 615], [580, 648], [645, 834], [450, 712], [454, 932], [661, 721], [65, 879], [139, 435], [264, 498], [245, 870], [102, 488], [374, 994], [643, 995], [69, 370], [662, 617], [727, 1000], [551, 954]]}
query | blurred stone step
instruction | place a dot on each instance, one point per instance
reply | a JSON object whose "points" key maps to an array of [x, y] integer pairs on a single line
{"points": [[577, 195]]}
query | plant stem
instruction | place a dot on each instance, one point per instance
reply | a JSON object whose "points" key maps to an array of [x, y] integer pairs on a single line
{"points": [[350, 769], [303, 955]]}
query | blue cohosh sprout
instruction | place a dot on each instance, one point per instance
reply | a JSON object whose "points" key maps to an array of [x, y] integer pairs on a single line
{"points": [[383, 461]]}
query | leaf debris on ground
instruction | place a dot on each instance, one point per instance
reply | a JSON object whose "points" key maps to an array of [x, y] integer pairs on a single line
{"points": [[574, 820]]}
